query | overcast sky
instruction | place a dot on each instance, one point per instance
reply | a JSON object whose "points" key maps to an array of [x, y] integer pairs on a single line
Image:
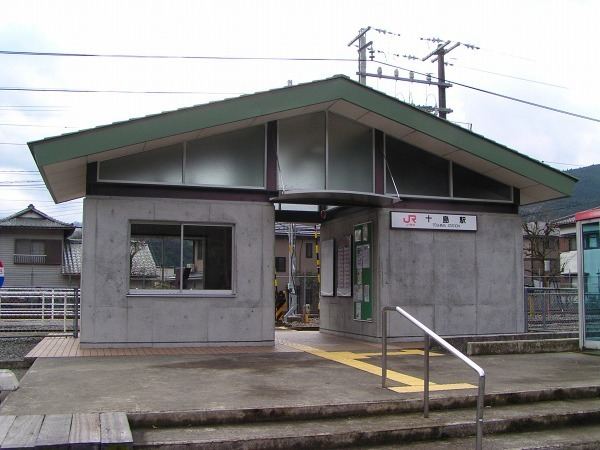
{"points": [[550, 43]]}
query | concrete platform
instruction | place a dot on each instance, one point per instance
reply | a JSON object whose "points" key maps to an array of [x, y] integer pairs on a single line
{"points": [[316, 369]]}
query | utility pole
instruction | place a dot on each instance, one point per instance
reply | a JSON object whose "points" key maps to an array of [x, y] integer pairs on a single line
{"points": [[436, 55], [439, 54], [362, 53]]}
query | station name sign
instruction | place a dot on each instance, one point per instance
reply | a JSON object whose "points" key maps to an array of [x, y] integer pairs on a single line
{"points": [[428, 221]]}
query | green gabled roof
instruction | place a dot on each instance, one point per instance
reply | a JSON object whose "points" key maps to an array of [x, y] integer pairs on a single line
{"points": [[89, 142]]}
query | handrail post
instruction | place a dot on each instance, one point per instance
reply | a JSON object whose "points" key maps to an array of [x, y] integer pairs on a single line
{"points": [[426, 376], [479, 414], [427, 336], [383, 347]]}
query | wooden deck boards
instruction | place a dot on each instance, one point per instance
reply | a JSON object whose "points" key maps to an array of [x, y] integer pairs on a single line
{"points": [[85, 431], [68, 347]]}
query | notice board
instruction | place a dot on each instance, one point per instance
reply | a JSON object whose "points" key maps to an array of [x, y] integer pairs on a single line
{"points": [[363, 271], [343, 267], [327, 268]]}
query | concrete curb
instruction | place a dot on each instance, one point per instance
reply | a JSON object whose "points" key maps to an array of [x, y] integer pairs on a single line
{"points": [[398, 434], [523, 346], [304, 412], [460, 342], [17, 363]]}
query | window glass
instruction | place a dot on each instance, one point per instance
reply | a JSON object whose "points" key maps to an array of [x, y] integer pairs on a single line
{"points": [[38, 251], [207, 257], [309, 250], [280, 264], [572, 243], [350, 163], [470, 184], [159, 259], [415, 171], [301, 152], [162, 165], [154, 256], [591, 237], [232, 159]]}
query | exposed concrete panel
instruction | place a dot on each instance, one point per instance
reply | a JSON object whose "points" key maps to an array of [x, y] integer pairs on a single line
{"points": [[340, 309], [111, 317], [454, 282]]}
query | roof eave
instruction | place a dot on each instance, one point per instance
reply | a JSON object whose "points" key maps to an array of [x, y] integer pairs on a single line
{"points": [[66, 147]]}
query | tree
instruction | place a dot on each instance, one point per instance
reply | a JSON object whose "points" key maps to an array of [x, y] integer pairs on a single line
{"points": [[541, 251]]}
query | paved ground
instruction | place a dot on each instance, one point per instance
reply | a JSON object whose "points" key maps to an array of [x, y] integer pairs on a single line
{"points": [[319, 369]]}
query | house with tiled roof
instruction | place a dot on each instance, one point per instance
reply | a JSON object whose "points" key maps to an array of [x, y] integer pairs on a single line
{"points": [[31, 248], [42, 252]]}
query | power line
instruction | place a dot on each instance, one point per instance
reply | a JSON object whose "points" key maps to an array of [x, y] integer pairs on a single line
{"points": [[111, 91], [35, 106], [200, 57], [565, 164], [497, 94], [29, 110], [32, 125], [511, 76]]}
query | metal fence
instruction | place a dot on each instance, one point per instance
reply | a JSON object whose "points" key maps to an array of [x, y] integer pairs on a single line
{"points": [[40, 304], [306, 287], [552, 309], [566, 280]]}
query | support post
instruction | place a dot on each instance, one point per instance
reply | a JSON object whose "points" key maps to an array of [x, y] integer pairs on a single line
{"points": [[75, 312], [383, 347], [479, 413], [426, 376], [65, 313]]}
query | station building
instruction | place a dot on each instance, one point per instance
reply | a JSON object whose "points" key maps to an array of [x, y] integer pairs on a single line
{"points": [[415, 211]]}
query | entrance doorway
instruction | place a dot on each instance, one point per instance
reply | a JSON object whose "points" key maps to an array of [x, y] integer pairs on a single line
{"points": [[589, 281], [297, 274]]}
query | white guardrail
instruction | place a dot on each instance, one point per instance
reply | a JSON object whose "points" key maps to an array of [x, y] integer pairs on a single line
{"points": [[38, 303]]}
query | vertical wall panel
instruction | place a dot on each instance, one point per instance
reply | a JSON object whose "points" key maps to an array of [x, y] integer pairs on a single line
{"points": [[232, 159], [162, 165], [350, 163], [301, 152]]}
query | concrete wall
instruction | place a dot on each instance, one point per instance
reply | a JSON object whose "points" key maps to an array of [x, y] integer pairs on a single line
{"points": [[336, 313], [31, 275], [111, 317], [455, 282]]}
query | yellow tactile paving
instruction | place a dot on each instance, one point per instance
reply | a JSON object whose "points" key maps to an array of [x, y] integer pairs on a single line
{"points": [[351, 359]]}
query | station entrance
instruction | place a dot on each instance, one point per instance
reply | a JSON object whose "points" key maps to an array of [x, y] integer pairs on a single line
{"points": [[588, 232]]}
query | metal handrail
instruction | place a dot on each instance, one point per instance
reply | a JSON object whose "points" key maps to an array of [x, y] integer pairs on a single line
{"points": [[427, 334]]}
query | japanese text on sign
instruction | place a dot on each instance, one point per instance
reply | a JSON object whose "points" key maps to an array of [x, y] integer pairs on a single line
{"points": [[428, 221]]}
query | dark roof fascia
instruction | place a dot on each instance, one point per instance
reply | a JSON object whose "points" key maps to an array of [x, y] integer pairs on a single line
{"points": [[26, 227], [108, 137]]}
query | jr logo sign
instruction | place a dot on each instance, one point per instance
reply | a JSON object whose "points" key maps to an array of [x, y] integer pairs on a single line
{"points": [[410, 218], [430, 221]]}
